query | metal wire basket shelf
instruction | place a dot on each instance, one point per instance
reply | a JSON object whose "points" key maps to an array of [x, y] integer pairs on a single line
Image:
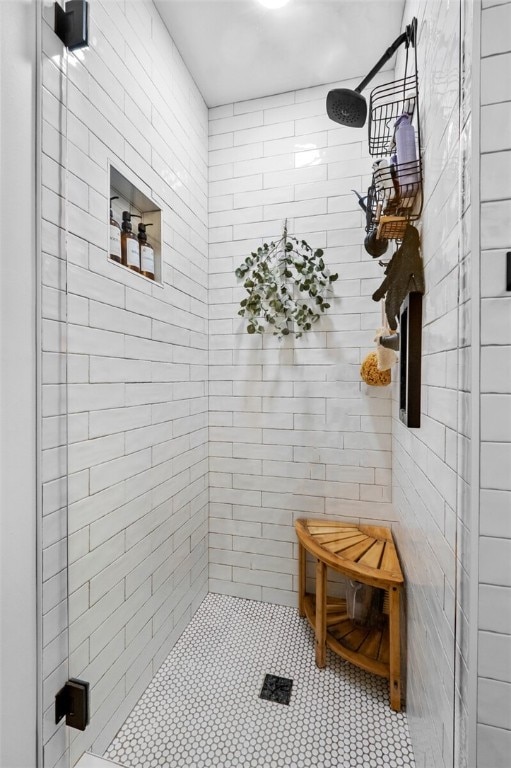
{"points": [[395, 196], [388, 102], [395, 199]]}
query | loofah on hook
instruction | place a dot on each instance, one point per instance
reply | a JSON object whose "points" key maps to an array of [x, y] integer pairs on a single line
{"points": [[370, 373]]}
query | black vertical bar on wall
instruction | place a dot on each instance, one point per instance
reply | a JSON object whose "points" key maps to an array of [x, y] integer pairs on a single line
{"points": [[508, 271], [414, 359], [411, 354], [403, 361]]}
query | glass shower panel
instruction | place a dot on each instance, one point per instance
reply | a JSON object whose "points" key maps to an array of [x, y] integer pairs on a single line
{"points": [[136, 366]]}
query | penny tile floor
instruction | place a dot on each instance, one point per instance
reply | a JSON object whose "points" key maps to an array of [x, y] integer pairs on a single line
{"points": [[202, 709]]}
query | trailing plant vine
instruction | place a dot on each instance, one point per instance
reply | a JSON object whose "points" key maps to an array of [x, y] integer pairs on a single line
{"points": [[287, 282]]}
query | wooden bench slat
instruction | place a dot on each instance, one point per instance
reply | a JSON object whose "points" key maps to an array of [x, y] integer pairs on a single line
{"points": [[333, 619], [377, 532], [371, 645], [317, 524], [326, 538], [335, 604], [355, 551], [390, 561], [319, 529], [354, 639], [342, 628], [373, 556], [337, 546]]}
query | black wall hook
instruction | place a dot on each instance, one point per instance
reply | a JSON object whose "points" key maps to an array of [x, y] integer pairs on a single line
{"points": [[411, 33], [72, 24]]}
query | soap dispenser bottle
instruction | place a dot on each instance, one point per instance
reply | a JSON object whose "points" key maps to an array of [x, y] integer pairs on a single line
{"points": [[115, 236], [146, 252], [129, 243]]}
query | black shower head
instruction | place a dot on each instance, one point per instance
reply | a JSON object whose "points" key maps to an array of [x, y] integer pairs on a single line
{"points": [[349, 107], [346, 107]]}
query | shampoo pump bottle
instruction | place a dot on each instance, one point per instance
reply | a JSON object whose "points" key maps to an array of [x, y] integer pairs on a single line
{"points": [[146, 252], [115, 236], [129, 243]]}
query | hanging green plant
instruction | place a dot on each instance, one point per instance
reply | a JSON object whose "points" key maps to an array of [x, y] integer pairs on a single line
{"points": [[287, 282]]}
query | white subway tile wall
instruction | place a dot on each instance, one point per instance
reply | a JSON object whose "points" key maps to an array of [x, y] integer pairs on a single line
{"points": [[293, 429], [136, 369], [494, 658], [425, 473]]}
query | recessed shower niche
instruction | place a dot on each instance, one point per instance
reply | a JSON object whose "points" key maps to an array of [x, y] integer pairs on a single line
{"points": [[135, 227]]}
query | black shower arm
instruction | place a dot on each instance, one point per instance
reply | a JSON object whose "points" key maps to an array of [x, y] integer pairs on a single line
{"points": [[406, 37]]}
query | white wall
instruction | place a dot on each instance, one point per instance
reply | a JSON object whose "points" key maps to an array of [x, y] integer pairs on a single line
{"points": [[293, 429], [134, 381], [18, 671], [494, 658], [427, 477]]}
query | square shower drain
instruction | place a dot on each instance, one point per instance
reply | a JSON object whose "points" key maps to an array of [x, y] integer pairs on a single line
{"points": [[276, 689]]}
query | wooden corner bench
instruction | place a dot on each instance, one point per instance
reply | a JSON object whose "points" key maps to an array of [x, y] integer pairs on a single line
{"points": [[363, 553]]}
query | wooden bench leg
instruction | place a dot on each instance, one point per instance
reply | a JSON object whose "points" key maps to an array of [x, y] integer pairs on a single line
{"points": [[302, 578], [320, 614], [394, 648]]}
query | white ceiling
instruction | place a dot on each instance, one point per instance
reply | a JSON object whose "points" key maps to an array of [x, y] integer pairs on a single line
{"points": [[238, 49]]}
